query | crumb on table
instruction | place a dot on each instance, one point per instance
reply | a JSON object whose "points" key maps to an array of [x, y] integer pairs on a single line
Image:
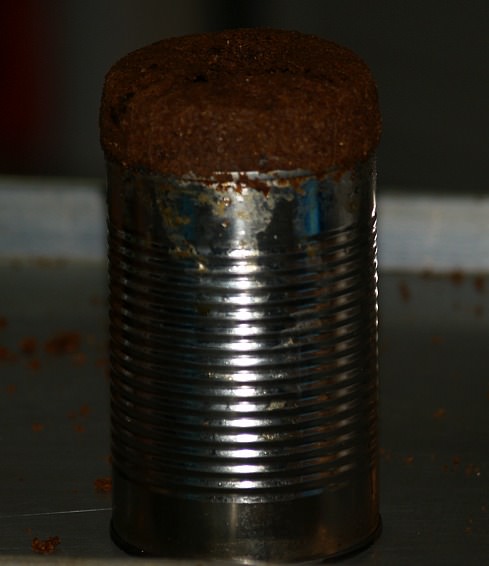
{"points": [[28, 345], [103, 485], [45, 546], [63, 343]]}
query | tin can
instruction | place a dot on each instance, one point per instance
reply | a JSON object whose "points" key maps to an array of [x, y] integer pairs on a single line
{"points": [[243, 328]]}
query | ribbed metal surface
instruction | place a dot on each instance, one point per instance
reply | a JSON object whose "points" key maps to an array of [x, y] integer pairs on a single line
{"points": [[243, 336]]}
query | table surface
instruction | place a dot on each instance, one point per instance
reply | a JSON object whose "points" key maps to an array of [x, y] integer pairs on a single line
{"points": [[54, 411]]}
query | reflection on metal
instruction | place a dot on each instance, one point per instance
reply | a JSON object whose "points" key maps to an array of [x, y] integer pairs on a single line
{"points": [[244, 364]]}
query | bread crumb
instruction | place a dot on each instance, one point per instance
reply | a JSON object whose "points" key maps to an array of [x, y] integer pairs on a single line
{"points": [[480, 283], [78, 358], [84, 410], [28, 345], [103, 485], [6, 355], [457, 277], [34, 364], [46, 546], [63, 343]]}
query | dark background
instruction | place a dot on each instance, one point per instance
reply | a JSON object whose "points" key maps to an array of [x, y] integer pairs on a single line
{"points": [[430, 59]]}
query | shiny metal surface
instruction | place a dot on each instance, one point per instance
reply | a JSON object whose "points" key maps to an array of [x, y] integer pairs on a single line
{"points": [[244, 364]]}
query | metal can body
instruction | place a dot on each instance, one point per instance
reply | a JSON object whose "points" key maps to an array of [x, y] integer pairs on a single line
{"points": [[243, 319]]}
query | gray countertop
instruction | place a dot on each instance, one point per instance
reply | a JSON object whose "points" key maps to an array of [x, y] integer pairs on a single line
{"points": [[54, 409]]}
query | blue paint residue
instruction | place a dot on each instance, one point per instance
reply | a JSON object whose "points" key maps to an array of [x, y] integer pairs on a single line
{"points": [[309, 217]]}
